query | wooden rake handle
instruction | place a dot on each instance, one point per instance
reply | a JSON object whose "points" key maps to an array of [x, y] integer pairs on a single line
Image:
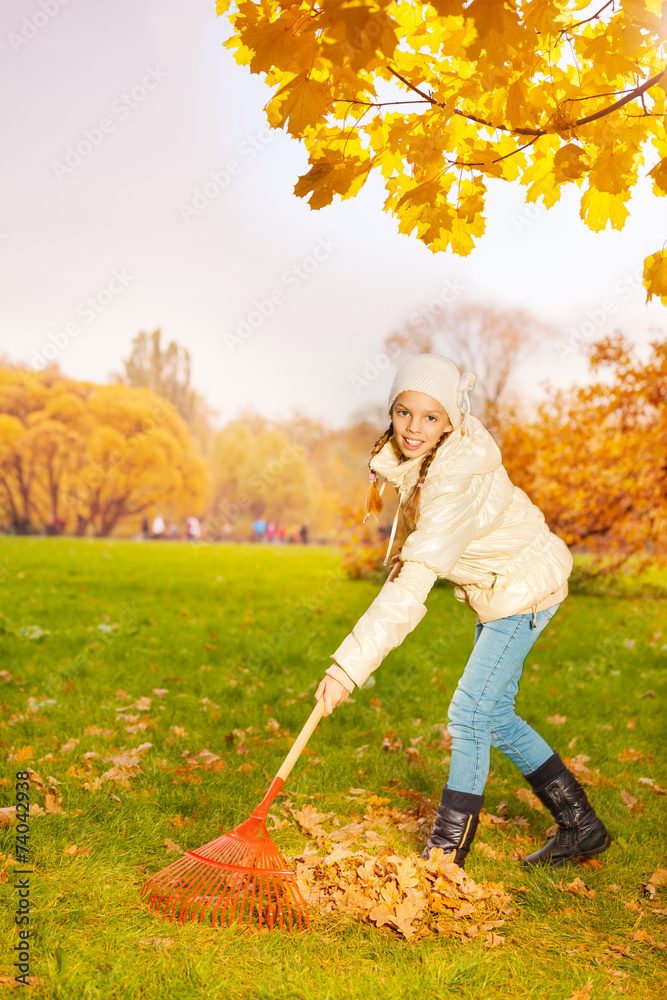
{"points": [[301, 740]]}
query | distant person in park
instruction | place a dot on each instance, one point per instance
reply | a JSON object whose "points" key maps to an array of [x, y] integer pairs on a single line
{"points": [[303, 531], [158, 528], [270, 531], [467, 523], [281, 533], [193, 529], [259, 527], [145, 528]]}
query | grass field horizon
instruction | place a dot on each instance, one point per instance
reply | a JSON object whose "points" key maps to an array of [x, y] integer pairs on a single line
{"points": [[111, 645]]}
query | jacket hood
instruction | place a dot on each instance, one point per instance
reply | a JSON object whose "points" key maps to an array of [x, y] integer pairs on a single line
{"points": [[469, 450]]}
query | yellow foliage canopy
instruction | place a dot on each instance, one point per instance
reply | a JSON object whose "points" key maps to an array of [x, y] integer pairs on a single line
{"points": [[74, 454], [439, 96]]}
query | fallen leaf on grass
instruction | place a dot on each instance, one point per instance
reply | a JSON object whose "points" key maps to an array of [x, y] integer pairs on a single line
{"points": [[492, 940], [630, 754], [157, 943], [529, 798], [577, 888], [578, 767], [7, 815], [309, 819], [631, 802], [584, 994], [171, 846], [488, 820], [391, 744], [52, 804], [642, 937], [160, 692], [143, 704], [412, 753], [593, 863], [633, 906], [5, 676], [652, 785], [178, 821], [70, 745], [21, 755], [488, 852], [656, 881], [278, 824], [178, 731], [557, 720]]}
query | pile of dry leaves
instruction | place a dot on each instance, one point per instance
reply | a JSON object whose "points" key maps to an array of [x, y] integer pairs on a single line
{"points": [[410, 895], [403, 892]]}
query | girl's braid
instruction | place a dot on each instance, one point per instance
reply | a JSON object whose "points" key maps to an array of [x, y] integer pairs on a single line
{"points": [[373, 499], [411, 509]]}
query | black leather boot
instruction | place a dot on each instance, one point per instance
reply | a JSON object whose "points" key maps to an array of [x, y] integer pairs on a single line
{"points": [[580, 834], [455, 824]]}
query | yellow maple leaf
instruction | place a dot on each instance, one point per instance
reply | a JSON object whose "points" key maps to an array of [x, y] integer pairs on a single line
{"points": [[610, 169], [599, 208], [659, 175], [655, 276], [570, 163], [301, 102]]}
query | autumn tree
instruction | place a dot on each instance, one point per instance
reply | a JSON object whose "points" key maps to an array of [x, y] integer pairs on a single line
{"points": [[595, 461], [440, 98], [166, 371], [82, 456], [257, 473], [42, 441], [492, 342]]}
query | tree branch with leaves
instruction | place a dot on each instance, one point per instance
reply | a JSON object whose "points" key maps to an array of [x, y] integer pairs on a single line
{"points": [[501, 88]]}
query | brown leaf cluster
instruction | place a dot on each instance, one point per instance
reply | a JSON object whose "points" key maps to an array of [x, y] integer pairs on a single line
{"points": [[126, 765], [578, 767], [411, 896]]}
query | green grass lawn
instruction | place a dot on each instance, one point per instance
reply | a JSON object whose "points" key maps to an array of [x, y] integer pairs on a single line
{"points": [[235, 636]]}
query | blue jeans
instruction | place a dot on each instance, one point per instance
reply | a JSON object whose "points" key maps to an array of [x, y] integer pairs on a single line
{"points": [[481, 714]]}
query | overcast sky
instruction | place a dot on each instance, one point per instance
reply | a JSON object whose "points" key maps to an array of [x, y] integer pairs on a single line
{"points": [[114, 116]]}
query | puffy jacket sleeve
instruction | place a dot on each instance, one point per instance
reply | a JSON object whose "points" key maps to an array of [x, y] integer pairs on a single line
{"points": [[394, 613], [446, 526]]}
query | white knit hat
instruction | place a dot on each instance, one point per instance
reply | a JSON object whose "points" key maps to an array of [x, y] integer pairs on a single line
{"points": [[437, 377]]}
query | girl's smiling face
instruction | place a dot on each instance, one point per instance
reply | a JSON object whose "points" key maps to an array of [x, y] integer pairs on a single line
{"points": [[419, 420]]}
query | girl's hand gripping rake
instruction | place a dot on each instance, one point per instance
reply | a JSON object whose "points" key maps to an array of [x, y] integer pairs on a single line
{"points": [[240, 875]]}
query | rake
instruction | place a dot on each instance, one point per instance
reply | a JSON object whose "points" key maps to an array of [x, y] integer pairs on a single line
{"points": [[241, 875]]}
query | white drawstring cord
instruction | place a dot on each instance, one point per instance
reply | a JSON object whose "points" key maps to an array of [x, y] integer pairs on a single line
{"points": [[393, 534]]}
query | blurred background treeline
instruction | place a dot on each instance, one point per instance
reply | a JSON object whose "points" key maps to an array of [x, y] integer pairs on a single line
{"points": [[80, 458]]}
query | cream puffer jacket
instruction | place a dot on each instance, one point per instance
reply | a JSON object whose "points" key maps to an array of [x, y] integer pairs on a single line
{"points": [[476, 529]]}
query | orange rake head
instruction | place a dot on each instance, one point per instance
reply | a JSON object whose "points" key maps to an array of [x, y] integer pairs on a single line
{"points": [[239, 877]]}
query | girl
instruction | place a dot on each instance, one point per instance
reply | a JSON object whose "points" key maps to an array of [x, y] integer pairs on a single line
{"points": [[467, 523]]}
